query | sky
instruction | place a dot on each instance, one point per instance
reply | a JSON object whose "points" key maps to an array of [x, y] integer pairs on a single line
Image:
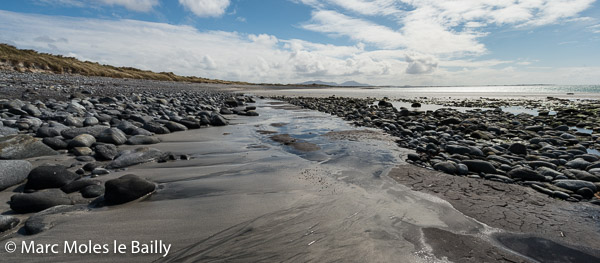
{"points": [[377, 42]]}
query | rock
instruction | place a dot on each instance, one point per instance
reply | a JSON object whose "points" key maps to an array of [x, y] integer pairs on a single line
{"points": [[518, 148], [73, 121], [560, 195], [449, 121], [44, 220], [92, 191], [106, 152], [585, 192], [38, 201], [90, 121], [575, 185], [141, 131], [113, 136], [218, 120], [13, 172], [479, 166], [536, 164], [526, 174], [416, 105], [462, 169], [55, 143], [91, 130], [23, 147], [413, 157], [446, 167], [100, 171], [175, 127], [137, 156], [82, 140], [78, 185], [82, 151], [383, 103], [126, 189], [46, 131], [31, 110], [126, 127], [545, 171], [43, 177], [156, 127], [8, 222], [5, 131], [578, 163], [142, 139]]}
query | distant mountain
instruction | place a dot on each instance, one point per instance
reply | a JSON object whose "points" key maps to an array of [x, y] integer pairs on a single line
{"points": [[324, 83]]}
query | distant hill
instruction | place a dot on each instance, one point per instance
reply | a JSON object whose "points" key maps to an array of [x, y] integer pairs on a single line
{"points": [[12, 58], [324, 83]]}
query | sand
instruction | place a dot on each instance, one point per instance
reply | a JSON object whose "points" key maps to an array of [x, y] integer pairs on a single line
{"points": [[246, 198]]}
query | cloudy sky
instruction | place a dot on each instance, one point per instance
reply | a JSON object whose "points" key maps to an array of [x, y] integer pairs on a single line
{"points": [[379, 42]]}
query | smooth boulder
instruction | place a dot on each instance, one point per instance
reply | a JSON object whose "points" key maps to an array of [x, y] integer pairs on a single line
{"points": [[38, 201], [526, 174], [137, 156], [112, 136], [23, 147], [43, 177], [126, 189], [479, 166]]}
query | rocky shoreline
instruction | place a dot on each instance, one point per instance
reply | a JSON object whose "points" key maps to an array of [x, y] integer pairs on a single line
{"points": [[89, 119], [545, 152]]}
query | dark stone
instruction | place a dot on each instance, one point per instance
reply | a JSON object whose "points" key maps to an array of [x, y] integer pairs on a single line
{"points": [[518, 148], [126, 189], [479, 166], [449, 121], [526, 174], [78, 185], [38, 201], [575, 185], [578, 163], [43, 177], [106, 152], [44, 220], [112, 136], [446, 167], [156, 127], [55, 143], [137, 156], [585, 192], [175, 127], [82, 140], [383, 103], [142, 139], [8, 222], [92, 191], [218, 120], [91, 130]]}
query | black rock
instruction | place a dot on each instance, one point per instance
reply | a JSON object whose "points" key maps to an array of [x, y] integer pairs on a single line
{"points": [[578, 163], [526, 174], [446, 167], [38, 201], [479, 166], [43, 177], [92, 191], [137, 156], [91, 130], [142, 139], [78, 185], [112, 136], [126, 189], [8, 222], [218, 120], [55, 143], [156, 127], [106, 152], [518, 148]]}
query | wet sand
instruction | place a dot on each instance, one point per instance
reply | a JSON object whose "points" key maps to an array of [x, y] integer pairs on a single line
{"points": [[245, 198]]}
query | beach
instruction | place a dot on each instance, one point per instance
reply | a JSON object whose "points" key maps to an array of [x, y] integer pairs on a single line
{"points": [[297, 176]]}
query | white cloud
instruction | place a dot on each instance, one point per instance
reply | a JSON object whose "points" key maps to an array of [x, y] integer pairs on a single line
{"points": [[263, 58], [206, 8], [134, 5]]}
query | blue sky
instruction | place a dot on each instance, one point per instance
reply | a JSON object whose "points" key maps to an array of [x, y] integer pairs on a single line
{"points": [[379, 42]]}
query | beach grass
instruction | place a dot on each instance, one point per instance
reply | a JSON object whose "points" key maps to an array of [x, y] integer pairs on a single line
{"points": [[23, 60]]}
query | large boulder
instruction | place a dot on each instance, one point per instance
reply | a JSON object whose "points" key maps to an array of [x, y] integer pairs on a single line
{"points": [[218, 120], [137, 156], [578, 163], [126, 189], [22, 147], [43, 177], [174, 126], [575, 185], [479, 166], [38, 201], [113, 136], [13, 172]]}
